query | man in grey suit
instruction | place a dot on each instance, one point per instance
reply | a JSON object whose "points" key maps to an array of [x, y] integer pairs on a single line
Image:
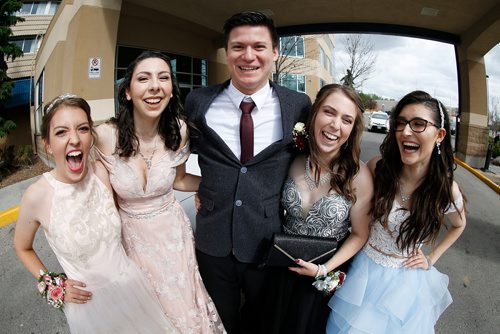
{"points": [[241, 177]]}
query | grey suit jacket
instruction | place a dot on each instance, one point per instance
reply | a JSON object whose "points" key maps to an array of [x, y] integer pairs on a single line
{"points": [[241, 202]]}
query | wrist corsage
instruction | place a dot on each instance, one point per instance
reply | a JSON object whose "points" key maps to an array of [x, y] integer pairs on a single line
{"points": [[299, 134], [330, 282], [51, 287]]}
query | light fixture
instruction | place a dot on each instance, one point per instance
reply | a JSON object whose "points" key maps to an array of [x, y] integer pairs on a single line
{"points": [[427, 11]]}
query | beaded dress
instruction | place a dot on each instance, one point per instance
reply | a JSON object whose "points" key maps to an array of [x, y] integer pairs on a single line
{"points": [[380, 295], [311, 211]]}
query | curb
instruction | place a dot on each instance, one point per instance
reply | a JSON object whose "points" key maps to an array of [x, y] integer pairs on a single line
{"points": [[479, 175], [9, 216]]}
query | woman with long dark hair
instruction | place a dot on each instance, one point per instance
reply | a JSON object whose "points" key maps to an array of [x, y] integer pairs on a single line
{"points": [[145, 149], [393, 286]]}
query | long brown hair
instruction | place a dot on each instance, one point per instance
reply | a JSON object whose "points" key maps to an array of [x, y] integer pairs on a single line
{"points": [[346, 162], [433, 196]]}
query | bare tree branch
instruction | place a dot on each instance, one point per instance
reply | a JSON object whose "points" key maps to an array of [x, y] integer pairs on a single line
{"points": [[287, 61], [361, 59]]}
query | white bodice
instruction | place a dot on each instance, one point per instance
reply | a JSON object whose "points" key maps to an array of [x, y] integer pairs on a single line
{"points": [[381, 246]]}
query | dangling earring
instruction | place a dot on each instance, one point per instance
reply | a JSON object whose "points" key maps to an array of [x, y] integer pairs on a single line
{"points": [[346, 145], [438, 144]]}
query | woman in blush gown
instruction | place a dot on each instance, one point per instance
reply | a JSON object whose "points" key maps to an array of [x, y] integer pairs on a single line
{"points": [[145, 149], [74, 205], [393, 286], [327, 194]]}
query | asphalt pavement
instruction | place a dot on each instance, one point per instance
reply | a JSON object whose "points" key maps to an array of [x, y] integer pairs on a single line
{"points": [[472, 263]]}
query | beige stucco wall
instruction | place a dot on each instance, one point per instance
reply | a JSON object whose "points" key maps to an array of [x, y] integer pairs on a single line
{"points": [[83, 30]]}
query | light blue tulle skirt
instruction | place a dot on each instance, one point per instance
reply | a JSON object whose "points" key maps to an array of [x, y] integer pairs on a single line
{"points": [[377, 299]]}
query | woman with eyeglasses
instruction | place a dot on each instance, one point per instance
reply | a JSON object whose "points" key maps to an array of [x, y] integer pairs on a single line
{"points": [[393, 286]]}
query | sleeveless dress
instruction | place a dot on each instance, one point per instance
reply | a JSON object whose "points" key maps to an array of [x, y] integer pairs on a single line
{"points": [[380, 295], [158, 236], [84, 233], [297, 306]]}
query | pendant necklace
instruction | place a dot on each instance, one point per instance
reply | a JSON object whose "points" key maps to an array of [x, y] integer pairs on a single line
{"points": [[149, 160], [404, 198], [312, 183]]}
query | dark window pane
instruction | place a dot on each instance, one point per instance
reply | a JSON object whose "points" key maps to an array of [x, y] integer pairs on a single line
{"points": [[196, 66], [196, 80], [184, 78], [183, 64]]}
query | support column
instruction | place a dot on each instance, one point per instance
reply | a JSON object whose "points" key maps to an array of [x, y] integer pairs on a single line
{"points": [[473, 130]]}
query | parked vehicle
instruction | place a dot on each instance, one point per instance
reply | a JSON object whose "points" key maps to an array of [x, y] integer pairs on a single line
{"points": [[379, 121], [453, 126]]}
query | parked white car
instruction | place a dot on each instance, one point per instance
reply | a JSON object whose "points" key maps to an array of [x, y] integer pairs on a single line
{"points": [[379, 121]]}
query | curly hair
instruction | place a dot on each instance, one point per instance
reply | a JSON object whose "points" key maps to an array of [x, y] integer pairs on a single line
{"points": [[346, 162], [169, 124], [433, 196]]}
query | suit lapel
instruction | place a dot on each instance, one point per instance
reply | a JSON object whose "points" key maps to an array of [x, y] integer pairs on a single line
{"points": [[210, 133]]}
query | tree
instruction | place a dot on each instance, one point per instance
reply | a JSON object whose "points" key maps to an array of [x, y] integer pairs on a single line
{"points": [[359, 61], [8, 49], [290, 57]]}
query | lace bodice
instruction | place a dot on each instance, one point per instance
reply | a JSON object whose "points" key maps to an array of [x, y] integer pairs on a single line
{"points": [[381, 246], [327, 217], [158, 195], [83, 238]]}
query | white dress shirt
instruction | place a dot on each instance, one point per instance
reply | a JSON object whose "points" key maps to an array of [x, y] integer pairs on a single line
{"points": [[224, 114]]}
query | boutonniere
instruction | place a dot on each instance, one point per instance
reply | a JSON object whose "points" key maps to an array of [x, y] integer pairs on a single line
{"points": [[300, 136]]}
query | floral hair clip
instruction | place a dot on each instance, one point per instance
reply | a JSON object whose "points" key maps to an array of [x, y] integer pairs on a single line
{"points": [[300, 136]]}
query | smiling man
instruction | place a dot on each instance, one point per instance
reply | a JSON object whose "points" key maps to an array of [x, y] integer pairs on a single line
{"points": [[244, 151]]}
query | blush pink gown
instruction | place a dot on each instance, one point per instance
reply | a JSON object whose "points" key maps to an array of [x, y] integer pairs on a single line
{"points": [[158, 236]]}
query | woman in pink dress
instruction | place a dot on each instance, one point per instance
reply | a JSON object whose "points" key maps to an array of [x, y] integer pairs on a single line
{"points": [[145, 149]]}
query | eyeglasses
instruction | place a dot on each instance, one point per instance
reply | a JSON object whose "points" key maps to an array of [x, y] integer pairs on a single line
{"points": [[417, 125]]}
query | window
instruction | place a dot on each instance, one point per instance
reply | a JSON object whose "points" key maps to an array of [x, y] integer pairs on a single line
{"points": [[292, 46], [295, 82], [322, 56], [39, 92], [29, 44], [39, 8]]}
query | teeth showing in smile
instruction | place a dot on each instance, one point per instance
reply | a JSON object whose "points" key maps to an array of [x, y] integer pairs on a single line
{"points": [[330, 136], [246, 68], [153, 101], [410, 146]]}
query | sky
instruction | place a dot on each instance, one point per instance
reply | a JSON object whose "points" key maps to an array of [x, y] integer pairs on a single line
{"points": [[405, 64]]}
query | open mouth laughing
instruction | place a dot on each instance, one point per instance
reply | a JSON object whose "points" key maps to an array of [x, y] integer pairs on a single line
{"points": [[75, 160]]}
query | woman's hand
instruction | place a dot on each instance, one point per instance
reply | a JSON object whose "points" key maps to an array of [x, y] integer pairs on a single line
{"points": [[305, 269], [417, 260], [74, 294]]}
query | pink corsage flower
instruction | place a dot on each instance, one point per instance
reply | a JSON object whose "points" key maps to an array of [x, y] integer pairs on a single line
{"points": [[51, 287]]}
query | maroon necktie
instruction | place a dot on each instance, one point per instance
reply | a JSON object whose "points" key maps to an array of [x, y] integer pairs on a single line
{"points": [[246, 131]]}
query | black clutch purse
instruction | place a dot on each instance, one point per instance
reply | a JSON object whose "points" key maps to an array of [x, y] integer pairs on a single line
{"points": [[285, 248]]}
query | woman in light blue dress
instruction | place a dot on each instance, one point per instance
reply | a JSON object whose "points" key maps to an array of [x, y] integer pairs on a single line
{"points": [[393, 286]]}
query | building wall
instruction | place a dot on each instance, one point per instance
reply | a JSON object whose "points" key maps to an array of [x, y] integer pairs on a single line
{"points": [[33, 26]]}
